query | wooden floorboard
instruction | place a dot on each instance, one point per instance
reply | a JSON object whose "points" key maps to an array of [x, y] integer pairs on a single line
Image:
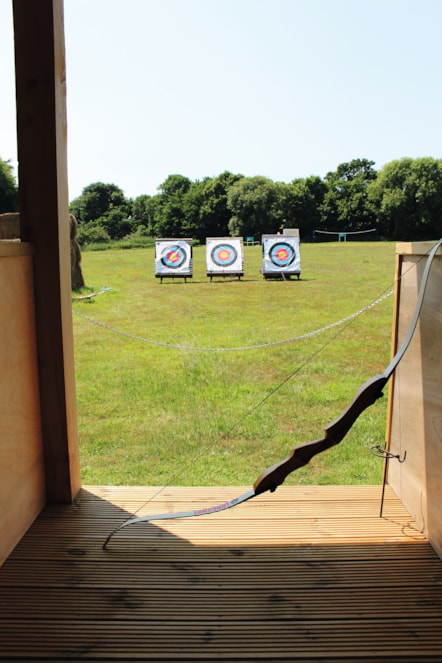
{"points": [[304, 574]]}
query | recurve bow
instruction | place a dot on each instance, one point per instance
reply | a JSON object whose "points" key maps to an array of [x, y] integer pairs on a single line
{"points": [[335, 432]]}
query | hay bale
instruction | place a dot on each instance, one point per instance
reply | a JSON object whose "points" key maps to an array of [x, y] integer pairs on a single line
{"points": [[10, 230], [10, 226], [77, 280]]}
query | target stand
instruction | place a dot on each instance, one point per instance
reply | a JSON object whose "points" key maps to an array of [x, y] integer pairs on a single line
{"points": [[173, 259], [224, 257], [281, 257]]}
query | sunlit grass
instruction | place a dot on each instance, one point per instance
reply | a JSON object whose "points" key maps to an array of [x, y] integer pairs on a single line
{"points": [[152, 415]]}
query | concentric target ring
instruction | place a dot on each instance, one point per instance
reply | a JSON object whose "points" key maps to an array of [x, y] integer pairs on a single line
{"points": [[224, 255], [282, 254], [173, 257]]}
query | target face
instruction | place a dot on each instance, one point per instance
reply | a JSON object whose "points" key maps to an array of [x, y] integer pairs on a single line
{"points": [[282, 254], [173, 257], [224, 255]]}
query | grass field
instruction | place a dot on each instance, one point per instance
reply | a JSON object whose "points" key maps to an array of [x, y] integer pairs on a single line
{"points": [[152, 414]]}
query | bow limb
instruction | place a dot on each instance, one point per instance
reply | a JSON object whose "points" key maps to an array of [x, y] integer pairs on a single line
{"points": [[183, 514]]}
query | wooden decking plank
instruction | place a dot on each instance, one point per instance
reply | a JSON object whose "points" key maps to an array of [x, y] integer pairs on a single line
{"points": [[184, 604], [270, 531], [272, 640], [176, 550], [315, 575], [171, 574], [229, 521], [116, 494], [278, 510]]}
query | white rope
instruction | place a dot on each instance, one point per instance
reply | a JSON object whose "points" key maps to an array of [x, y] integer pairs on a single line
{"points": [[315, 332], [345, 232]]}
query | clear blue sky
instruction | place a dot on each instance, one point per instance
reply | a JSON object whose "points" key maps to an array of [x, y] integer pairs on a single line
{"points": [[280, 88]]}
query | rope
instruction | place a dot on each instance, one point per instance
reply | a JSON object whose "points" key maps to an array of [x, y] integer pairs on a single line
{"points": [[345, 232], [301, 337]]}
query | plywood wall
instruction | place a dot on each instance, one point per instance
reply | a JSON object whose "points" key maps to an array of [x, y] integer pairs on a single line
{"points": [[416, 397], [22, 482]]}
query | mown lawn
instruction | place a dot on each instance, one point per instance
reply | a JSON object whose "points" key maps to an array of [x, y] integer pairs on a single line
{"points": [[153, 414]]}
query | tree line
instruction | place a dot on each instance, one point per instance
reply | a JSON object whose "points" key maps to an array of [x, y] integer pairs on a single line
{"points": [[8, 189], [402, 201]]}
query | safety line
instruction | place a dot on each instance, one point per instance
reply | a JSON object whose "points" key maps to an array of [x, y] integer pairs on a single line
{"points": [[301, 337]]}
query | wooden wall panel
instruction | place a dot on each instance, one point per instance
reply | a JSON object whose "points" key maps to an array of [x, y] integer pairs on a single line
{"points": [[416, 398], [22, 474]]}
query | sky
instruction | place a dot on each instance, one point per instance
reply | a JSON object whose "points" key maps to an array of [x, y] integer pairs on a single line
{"points": [[279, 88]]}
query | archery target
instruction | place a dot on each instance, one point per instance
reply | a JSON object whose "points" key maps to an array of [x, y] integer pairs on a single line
{"points": [[173, 257], [224, 255], [281, 255]]}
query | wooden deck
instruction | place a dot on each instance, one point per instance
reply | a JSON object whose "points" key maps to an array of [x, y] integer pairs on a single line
{"points": [[305, 574]]}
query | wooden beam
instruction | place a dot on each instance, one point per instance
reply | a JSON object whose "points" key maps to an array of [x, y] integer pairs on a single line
{"points": [[43, 189]]}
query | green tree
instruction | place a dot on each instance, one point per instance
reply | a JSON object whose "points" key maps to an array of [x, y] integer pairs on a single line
{"points": [[303, 201], [170, 215], [175, 185], [8, 189], [152, 205], [104, 205], [140, 210], [214, 210], [116, 223], [255, 205], [346, 205], [91, 233], [193, 225], [97, 200], [407, 196]]}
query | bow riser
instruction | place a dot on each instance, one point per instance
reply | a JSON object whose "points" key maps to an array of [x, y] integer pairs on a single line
{"points": [[334, 433]]}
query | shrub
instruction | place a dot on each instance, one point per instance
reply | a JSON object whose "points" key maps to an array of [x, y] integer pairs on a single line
{"points": [[91, 233]]}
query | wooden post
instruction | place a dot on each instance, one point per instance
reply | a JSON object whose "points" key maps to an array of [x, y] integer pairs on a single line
{"points": [[43, 189]]}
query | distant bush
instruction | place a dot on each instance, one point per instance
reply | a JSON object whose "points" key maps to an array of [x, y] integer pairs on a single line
{"points": [[134, 241], [94, 237], [90, 233]]}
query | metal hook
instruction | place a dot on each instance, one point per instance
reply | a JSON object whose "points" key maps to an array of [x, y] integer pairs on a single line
{"points": [[380, 452]]}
